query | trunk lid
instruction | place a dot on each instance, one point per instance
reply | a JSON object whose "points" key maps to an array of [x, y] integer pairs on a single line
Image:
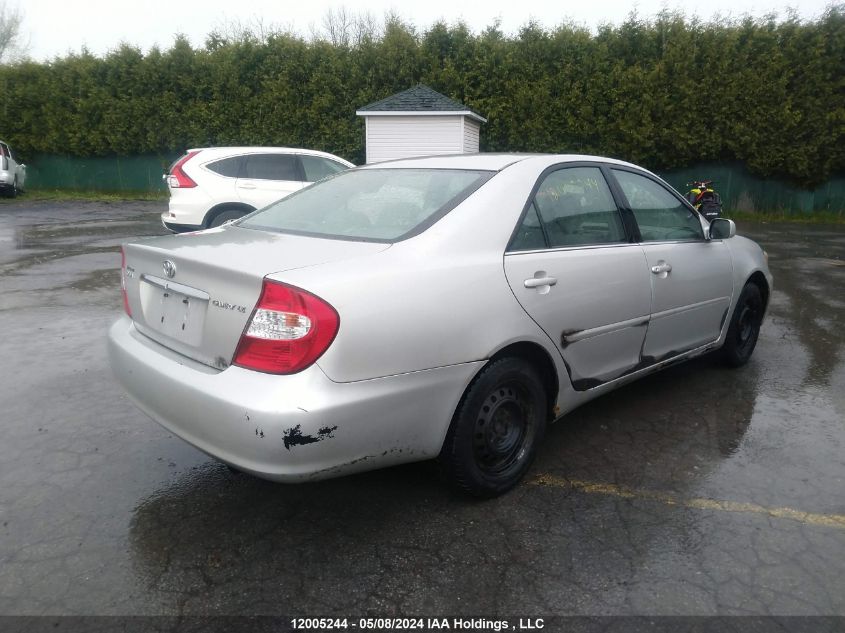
{"points": [[194, 293]]}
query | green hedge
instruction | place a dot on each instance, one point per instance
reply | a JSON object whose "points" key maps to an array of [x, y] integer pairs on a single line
{"points": [[665, 93]]}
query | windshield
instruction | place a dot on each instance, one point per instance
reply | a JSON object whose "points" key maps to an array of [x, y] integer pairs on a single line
{"points": [[383, 205]]}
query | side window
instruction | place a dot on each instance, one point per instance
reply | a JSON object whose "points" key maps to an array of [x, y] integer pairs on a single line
{"points": [[659, 214], [229, 167], [271, 167], [576, 208], [316, 168], [529, 236]]}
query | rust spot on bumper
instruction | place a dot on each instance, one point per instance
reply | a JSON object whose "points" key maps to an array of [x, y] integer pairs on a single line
{"points": [[294, 437]]}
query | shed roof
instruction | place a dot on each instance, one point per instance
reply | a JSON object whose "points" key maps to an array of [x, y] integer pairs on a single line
{"points": [[418, 100]]}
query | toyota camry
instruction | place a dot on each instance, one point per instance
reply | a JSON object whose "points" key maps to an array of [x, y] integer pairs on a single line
{"points": [[442, 308]]}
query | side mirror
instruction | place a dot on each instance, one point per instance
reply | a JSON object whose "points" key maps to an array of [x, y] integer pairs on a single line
{"points": [[722, 229]]}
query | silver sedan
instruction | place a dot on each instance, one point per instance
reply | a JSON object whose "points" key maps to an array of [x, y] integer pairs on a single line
{"points": [[444, 307]]}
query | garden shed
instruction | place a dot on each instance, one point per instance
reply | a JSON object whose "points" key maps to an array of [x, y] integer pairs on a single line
{"points": [[419, 122]]}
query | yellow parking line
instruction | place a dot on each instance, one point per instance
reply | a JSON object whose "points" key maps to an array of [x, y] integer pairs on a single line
{"points": [[590, 487]]}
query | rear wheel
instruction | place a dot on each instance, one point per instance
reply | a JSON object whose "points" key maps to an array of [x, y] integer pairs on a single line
{"points": [[745, 326], [13, 192], [496, 429], [225, 215]]}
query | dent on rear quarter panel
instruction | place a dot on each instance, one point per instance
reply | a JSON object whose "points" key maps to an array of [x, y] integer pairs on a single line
{"points": [[392, 326]]}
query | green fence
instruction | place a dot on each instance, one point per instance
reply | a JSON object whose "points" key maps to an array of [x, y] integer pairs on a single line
{"points": [[124, 173], [740, 190]]}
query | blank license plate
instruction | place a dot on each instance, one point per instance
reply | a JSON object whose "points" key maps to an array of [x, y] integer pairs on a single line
{"points": [[174, 310]]}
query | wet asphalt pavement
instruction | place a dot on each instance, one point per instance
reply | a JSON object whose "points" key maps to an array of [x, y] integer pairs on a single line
{"points": [[698, 491]]}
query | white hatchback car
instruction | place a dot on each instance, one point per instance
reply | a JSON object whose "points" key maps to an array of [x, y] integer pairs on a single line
{"points": [[212, 185]]}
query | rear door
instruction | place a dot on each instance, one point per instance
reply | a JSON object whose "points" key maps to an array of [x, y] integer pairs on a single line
{"points": [[223, 187], [266, 178], [691, 277], [575, 269]]}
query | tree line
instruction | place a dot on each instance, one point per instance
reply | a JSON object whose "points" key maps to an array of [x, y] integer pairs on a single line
{"points": [[663, 92]]}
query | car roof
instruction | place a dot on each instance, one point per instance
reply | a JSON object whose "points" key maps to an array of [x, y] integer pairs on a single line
{"points": [[252, 149], [492, 162]]}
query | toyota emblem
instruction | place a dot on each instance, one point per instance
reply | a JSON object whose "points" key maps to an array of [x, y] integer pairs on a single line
{"points": [[169, 268]]}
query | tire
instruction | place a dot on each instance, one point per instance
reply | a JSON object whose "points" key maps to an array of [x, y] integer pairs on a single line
{"points": [[13, 193], [225, 215], [744, 328], [496, 429]]}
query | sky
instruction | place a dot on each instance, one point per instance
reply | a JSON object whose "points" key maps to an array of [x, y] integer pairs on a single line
{"points": [[58, 27]]}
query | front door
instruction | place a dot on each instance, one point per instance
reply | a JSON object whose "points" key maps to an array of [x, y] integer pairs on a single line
{"points": [[691, 277]]}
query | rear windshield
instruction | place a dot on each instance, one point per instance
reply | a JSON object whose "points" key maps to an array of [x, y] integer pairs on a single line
{"points": [[381, 205]]}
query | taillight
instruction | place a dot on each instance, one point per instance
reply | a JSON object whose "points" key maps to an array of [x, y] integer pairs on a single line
{"points": [[289, 330], [178, 179], [123, 282]]}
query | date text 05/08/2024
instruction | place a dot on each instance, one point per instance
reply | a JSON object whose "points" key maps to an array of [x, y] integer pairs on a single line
{"points": [[417, 624]]}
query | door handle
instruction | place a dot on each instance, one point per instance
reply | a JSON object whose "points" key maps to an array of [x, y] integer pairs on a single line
{"points": [[536, 282], [661, 267], [247, 186]]}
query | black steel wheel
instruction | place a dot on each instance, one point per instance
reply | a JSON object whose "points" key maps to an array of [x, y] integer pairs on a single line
{"points": [[744, 328], [496, 429]]}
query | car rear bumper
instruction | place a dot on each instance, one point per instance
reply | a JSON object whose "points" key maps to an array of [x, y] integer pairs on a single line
{"points": [[179, 228], [289, 428], [187, 208]]}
